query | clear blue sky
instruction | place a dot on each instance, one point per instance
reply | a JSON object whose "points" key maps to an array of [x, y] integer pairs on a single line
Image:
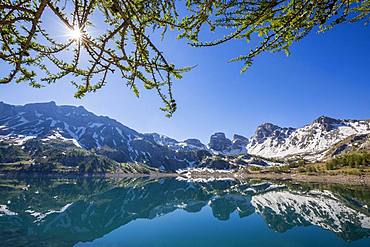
{"points": [[326, 74]]}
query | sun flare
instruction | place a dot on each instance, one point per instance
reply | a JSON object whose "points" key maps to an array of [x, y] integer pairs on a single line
{"points": [[75, 33]]}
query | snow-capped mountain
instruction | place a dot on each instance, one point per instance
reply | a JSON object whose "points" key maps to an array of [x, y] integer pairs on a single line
{"points": [[47, 121], [87, 129], [313, 142], [186, 145], [309, 142]]}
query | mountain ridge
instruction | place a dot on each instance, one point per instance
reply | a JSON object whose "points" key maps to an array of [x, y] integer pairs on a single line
{"points": [[107, 137]]}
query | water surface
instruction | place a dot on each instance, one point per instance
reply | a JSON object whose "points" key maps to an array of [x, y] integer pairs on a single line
{"points": [[169, 212]]}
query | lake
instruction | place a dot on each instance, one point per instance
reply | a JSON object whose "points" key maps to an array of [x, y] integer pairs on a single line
{"points": [[173, 212]]}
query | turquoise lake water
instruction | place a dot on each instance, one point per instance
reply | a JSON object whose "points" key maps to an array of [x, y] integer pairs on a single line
{"points": [[169, 212]]}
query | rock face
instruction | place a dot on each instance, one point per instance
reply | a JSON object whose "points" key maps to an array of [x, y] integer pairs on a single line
{"points": [[239, 144], [268, 130], [355, 143], [328, 123]]}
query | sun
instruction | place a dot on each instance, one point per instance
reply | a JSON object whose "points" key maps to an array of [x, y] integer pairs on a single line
{"points": [[75, 33]]}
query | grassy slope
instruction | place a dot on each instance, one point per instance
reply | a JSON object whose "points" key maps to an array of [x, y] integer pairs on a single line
{"points": [[63, 158], [355, 163]]}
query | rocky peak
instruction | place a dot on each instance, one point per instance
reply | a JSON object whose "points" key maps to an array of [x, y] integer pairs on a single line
{"points": [[237, 137], [195, 142], [39, 106], [161, 139], [219, 142], [326, 120], [5, 107], [328, 123], [267, 126], [239, 142], [267, 130]]}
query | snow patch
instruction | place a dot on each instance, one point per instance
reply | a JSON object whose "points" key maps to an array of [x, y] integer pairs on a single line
{"points": [[4, 210]]}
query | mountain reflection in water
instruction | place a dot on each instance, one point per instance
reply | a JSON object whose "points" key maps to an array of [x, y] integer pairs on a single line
{"points": [[66, 212]]}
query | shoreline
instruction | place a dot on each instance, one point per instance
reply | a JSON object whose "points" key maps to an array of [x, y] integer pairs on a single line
{"points": [[344, 179], [85, 175]]}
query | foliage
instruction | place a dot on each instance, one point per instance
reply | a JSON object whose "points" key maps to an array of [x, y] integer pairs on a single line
{"points": [[96, 164], [296, 163], [255, 168], [11, 153], [283, 168], [127, 47], [60, 157], [353, 160], [277, 23], [352, 163]]}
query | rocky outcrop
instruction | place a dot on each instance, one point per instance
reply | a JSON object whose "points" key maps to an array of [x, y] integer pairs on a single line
{"points": [[219, 142]]}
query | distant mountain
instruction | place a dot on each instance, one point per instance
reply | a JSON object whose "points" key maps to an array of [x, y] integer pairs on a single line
{"points": [[219, 144], [105, 136], [309, 142], [312, 142], [186, 145], [29, 132]]}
